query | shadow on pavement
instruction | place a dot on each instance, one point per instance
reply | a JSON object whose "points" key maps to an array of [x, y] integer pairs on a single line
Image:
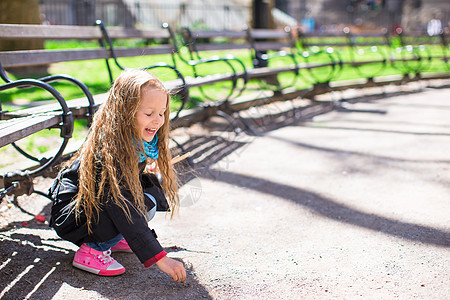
{"points": [[335, 211], [347, 152], [379, 130], [34, 268], [34, 265]]}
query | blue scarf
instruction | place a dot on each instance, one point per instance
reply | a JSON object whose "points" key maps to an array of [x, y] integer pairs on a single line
{"points": [[151, 150]]}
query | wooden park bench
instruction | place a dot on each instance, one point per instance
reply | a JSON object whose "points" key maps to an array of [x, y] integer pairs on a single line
{"points": [[18, 124], [274, 59], [412, 53], [280, 58], [256, 61], [370, 53]]}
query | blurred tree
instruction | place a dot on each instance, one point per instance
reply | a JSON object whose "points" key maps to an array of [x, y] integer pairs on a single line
{"points": [[20, 12]]}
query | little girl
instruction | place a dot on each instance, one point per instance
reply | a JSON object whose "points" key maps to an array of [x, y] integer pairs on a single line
{"points": [[102, 198]]}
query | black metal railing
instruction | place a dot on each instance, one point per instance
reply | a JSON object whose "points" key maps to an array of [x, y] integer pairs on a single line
{"points": [[138, 13]]}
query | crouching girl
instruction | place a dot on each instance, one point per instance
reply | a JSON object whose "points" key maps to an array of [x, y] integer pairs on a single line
{"points": [[103, 198]]}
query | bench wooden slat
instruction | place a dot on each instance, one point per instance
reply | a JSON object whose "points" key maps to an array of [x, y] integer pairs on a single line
{"points": [[218, 47], [39, 57], [408, 42], [323, 34], [208, 79], [234, 36], [16, 129], [312, 65], [121, 33], [24, 31], [217, 33], [363, 62], [266, 71], [152, 50], [78, 107], [269, 34], [358, 44], [367, 35], [326, 44], [265, 46]]}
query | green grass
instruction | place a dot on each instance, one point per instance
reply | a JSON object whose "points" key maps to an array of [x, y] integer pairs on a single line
{"points": [[94, 73]]}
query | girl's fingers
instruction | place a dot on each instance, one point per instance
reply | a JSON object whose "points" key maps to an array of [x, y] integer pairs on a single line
{"points": [[179, 277], [184, 275]]}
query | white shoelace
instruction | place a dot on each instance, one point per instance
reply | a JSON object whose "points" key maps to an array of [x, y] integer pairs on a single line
{"points": [[106, 257]]}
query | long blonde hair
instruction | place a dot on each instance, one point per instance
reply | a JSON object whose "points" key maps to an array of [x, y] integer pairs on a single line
{"points": [[109, 157]]}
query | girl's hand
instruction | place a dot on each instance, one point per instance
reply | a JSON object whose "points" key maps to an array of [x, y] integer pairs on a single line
{"points": [[172, 268]]}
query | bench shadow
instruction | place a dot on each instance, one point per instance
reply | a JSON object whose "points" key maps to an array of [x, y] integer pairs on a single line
{"points": [[32, 267], [356, 153], [312, 201], [386, 95], [206, 151], [36, 263], [333, 210], [378, 130]]}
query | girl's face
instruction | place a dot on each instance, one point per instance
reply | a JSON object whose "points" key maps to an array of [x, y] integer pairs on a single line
{"points": [[150, 113]]}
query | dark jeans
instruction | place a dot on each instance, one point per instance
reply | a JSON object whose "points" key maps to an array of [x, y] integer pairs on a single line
{"points": [[104, 246]]}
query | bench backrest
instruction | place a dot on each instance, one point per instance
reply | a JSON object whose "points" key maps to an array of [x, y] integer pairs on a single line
{"points": [[342, 38], [214, 40], [270, 39], [59, 32]]}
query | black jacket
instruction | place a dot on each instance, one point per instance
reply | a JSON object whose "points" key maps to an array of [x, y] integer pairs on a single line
{"points": [[111, 220]]}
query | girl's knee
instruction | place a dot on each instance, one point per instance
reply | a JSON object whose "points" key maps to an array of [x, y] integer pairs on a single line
{"points": [[151, 213]]}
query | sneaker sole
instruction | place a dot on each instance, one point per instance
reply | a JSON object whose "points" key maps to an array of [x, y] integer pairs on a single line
{"points": [[98, 272]]}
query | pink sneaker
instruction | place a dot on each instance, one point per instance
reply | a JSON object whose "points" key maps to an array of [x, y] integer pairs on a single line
{"points": [[121, 246], [97, 262]]}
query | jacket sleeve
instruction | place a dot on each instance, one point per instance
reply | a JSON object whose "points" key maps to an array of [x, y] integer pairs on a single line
{"points": [[141, 239]]}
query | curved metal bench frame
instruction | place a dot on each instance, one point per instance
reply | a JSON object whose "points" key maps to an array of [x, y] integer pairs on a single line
{"points": [[21, 180], [184, 92]]}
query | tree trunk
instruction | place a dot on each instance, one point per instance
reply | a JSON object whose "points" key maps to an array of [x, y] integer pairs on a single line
{"points": [[261, 14], [21, 12]]}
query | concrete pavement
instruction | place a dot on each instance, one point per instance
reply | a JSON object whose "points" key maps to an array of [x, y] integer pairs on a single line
{"points": [[352, 203]]}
